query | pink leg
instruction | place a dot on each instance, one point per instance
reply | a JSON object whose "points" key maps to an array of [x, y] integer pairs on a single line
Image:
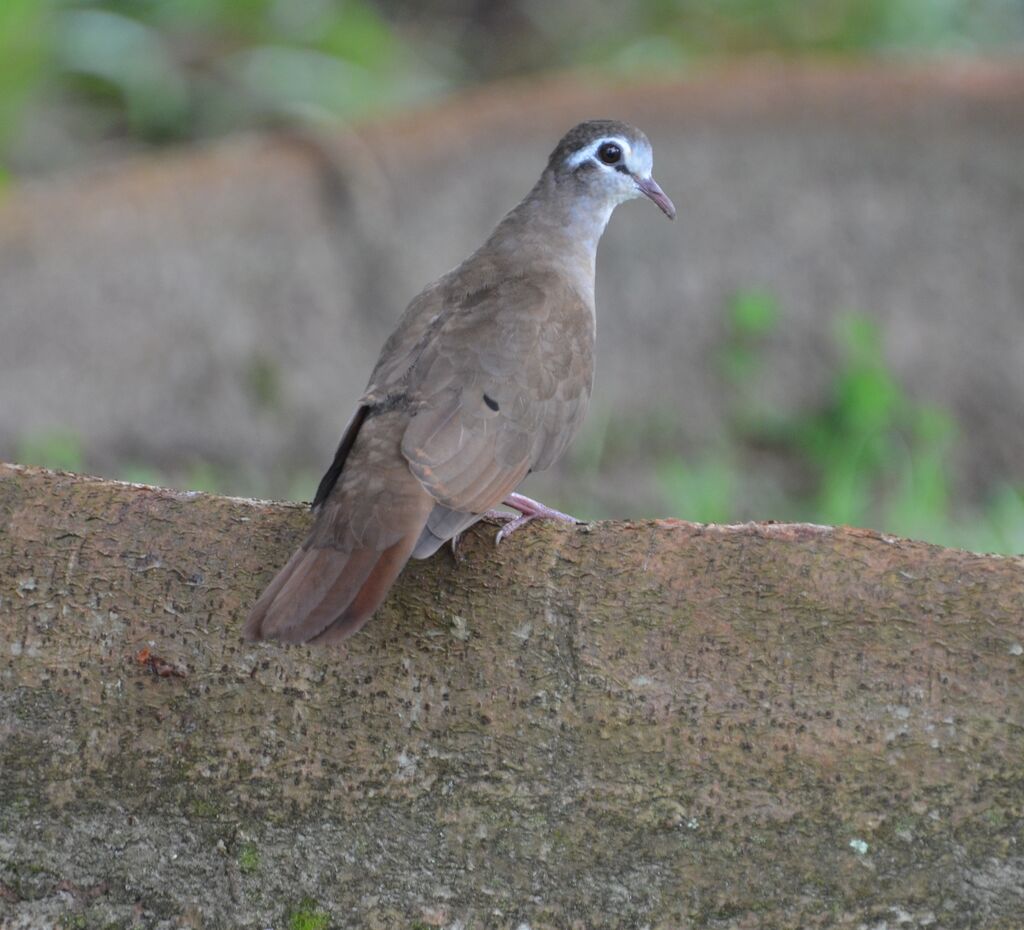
{"points": [[529, 510]]}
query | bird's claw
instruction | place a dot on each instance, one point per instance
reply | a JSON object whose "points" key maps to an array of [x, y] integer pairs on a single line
{"points": [[529, 510]]}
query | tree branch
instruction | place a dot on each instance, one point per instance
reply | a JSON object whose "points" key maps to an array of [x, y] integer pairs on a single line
{"points": [[624, 724]]}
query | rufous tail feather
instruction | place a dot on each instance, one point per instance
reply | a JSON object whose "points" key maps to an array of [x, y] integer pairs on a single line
{"points": [[326, 595]]}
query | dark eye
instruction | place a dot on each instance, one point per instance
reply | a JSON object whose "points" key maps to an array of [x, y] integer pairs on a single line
{"points": [[610, 153]]}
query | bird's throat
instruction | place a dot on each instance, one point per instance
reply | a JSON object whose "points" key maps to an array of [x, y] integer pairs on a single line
{"points": [[553, 228]]}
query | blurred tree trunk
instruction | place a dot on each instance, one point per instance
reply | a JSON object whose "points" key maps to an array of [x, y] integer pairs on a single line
{"points": [[620, 725]]}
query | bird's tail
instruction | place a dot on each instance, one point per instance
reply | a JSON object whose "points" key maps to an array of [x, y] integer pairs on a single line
{"points": [[324, 595]]}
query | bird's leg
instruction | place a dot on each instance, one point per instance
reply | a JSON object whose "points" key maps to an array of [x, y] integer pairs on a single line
{"points": [[528, 510]]}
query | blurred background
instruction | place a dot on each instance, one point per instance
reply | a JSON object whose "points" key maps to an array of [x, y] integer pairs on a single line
{"points": [[213, 211]]}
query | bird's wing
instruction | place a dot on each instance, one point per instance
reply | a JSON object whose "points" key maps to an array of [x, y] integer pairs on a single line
{"points": [[498, 389], [470, 394], [385, 392]]}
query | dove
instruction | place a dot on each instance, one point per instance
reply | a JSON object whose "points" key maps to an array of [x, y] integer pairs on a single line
{"points": [[485, 379]]}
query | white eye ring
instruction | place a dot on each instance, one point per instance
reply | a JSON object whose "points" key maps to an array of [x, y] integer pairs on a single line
{"points": [[589, 152]]}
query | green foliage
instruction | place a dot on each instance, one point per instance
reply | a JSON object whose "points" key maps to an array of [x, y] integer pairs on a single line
{"points": [[307, 916], [59, 449], [1004, 521], [657, 36], [141, 474], [868, 426], [872, 455], [63, 449], [751, 319], [23, 30], [752, 316], [660, 33], [183, 69], [704, 492], [117, 62], [158, 71], [248, 859], [204, 476]]}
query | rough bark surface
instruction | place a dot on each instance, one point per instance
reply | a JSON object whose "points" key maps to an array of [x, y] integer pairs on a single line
{"points": [[654, 724]]}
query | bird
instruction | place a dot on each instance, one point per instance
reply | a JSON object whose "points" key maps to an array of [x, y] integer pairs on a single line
{"points": [[485, 379]]}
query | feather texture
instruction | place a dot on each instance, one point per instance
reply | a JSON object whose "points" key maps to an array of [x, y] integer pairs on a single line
{"points": [[486, 378]]}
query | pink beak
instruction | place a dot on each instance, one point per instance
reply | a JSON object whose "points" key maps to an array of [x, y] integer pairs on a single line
{"points": [[649, 187]]}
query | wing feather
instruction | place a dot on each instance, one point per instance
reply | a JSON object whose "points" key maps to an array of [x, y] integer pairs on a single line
{"points": [[498, 390]]}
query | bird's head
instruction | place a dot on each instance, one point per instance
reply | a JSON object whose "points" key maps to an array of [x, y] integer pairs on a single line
{"points": [[608, 161]]}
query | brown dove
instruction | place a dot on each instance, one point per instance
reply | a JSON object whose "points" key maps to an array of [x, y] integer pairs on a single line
{"points": [[485, 379]]}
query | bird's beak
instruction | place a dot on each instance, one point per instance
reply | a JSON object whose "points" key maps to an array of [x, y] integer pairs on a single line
{"points": [[649, 188]]}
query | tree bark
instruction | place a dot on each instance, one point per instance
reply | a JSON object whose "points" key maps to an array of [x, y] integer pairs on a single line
{"points": [[617, 725]]}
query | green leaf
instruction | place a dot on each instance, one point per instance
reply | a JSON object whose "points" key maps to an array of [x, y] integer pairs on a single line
{"points": [[703, 493], [58, 448], [24, 46], [754, 313]]}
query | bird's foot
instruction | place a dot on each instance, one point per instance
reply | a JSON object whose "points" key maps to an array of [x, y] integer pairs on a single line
{"points": [[529, 510]]}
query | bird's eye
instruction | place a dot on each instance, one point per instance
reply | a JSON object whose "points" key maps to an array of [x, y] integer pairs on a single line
{"points": [[610, 153]]}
